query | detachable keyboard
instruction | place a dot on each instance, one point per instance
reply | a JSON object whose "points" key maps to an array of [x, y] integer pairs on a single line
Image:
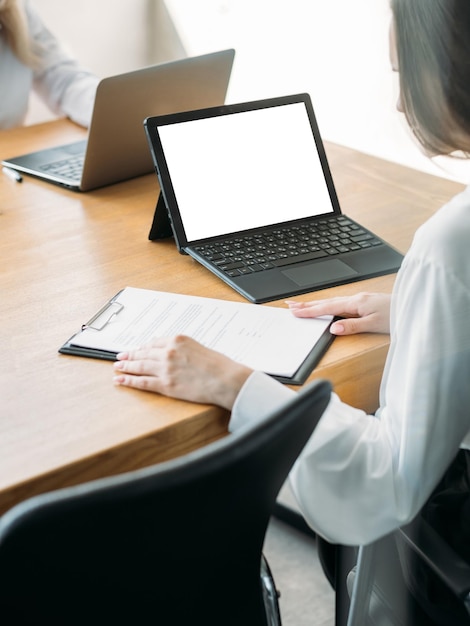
{"points": [[282, 246]]}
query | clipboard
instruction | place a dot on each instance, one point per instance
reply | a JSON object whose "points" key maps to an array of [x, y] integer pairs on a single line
{"points": [[110, 313], [310, 362], [99, 320]]}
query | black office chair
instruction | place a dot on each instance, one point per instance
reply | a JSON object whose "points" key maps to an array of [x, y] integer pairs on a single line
{"points": [[411, 577], [177, 543], [386, 582]]}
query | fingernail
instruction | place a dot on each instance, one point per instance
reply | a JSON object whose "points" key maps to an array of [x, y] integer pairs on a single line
{"points": [[337, 328], [118, 380], [118, 365]]}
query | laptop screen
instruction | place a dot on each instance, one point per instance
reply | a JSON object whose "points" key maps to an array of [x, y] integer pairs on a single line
{"points": [[245, 170]]}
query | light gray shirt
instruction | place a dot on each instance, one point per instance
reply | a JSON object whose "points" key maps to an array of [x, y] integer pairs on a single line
{"points": [[66, 88]]}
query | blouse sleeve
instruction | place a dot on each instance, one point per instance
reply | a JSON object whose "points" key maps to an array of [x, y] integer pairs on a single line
{"points": [[361, 476], [65, 87]]}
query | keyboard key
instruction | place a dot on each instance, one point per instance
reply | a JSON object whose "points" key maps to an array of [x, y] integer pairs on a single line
{"points": [[310, 256], [283, 246]]}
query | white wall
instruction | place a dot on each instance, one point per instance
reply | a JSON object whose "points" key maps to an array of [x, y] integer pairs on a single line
{"points": [[109, 36], [337, 50]]}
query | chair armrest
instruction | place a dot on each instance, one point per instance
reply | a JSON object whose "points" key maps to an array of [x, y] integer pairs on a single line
{"points": [[423, 540]]}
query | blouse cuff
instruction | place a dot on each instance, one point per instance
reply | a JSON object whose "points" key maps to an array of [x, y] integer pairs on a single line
{"points": [[259, 396]]}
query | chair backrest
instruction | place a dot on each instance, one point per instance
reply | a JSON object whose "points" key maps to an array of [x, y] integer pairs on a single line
{"points": [[177, 543]]}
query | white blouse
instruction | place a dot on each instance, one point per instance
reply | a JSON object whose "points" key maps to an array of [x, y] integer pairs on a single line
{"points": [[361, 476], [66, 88]]}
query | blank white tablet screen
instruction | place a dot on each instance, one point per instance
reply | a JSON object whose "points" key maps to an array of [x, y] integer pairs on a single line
{"points": [[245, 170]]}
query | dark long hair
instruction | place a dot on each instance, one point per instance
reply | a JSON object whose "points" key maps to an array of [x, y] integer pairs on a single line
{"points": [[433, 51]]}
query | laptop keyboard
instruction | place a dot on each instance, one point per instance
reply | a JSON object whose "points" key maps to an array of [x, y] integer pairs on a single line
{"points": [[70, 168], [287, 245]]}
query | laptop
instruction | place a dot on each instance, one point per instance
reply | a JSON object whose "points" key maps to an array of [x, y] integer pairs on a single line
{"points": [[116, 148], [249, 195]]}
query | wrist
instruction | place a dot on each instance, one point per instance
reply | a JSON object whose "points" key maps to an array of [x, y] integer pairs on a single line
{"points": [[231, 383]]}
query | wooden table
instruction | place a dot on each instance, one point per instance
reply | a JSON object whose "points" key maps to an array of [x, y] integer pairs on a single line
{"points": [[62, 421]]}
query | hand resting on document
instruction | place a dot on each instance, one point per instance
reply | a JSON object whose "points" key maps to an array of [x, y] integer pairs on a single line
{"points": [[361, 313], [181, 367]]}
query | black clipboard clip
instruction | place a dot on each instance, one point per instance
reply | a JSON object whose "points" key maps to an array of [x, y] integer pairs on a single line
{"points": [[102, 318]]}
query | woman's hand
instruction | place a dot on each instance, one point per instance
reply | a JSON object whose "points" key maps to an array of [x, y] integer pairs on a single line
{"points": [[181, 367], [362, 313]]}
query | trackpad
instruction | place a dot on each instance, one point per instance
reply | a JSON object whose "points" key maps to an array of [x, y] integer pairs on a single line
{"points": [[319, 272]]}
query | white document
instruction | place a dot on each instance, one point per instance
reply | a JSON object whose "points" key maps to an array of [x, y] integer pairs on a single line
{"points": [[265, 338]]}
